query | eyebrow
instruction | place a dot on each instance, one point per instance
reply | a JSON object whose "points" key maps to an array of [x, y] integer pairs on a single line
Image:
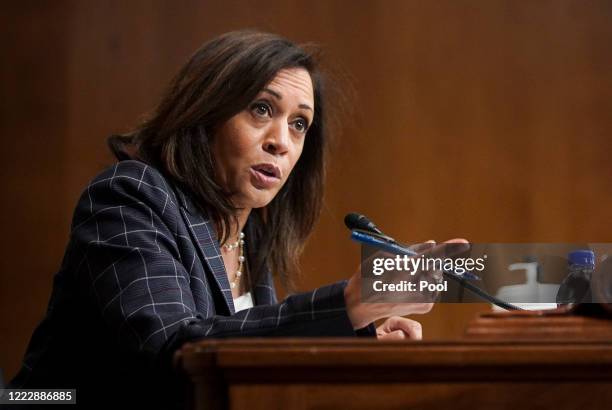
{"points": [[280, 97]]}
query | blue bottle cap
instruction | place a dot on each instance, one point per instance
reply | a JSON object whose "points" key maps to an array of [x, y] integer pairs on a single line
{"points": [[581, 257]]}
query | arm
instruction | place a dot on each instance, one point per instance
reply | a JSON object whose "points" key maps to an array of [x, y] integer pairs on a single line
{"points": [[129, 263]]}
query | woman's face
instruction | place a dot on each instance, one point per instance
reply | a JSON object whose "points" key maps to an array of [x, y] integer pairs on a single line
{"points": [[256, 149]]}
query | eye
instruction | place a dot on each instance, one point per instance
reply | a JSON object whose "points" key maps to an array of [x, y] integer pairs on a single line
{"points": [[301, 125], [261, 109]]}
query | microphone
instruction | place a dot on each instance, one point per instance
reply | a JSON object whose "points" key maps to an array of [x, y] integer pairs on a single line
{"points": [[358, 223]]}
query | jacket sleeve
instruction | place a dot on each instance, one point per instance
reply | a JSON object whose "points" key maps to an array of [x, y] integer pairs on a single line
{"points": [[128, 263]]}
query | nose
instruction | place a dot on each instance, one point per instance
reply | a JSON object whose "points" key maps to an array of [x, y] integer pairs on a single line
{"points": [[276, 141]]}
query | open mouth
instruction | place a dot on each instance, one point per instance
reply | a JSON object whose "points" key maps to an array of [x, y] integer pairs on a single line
{"points": [[265, 176], [267, 170]]}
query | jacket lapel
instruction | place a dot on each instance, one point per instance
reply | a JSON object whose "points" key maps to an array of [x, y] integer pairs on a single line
{"points": [[264, 292], [204, 235]]}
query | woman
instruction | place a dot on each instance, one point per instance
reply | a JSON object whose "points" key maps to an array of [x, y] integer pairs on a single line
{"points": [[176, 242]]}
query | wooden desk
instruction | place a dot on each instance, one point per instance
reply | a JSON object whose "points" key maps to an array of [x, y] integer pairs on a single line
{"points": [[358, 373]]}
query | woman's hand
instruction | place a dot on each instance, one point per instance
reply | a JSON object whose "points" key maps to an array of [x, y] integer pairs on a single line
{"points": [[362, 314], [399, 328]]}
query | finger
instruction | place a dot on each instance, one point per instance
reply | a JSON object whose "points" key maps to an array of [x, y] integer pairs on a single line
{"points": [[375, 254], [422, 247], [411, 327], [395, 335], [422, 308], [454, 247], [457, 246], [457, 240]]}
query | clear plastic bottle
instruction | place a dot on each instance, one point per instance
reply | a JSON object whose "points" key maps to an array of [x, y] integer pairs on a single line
{"points": [[576, 287]]}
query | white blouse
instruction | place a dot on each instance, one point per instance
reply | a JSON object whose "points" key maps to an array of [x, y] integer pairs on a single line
{"points": [[243, 301]]}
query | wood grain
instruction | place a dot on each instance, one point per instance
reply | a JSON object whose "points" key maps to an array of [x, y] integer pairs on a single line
{"points": [[484, 119]]}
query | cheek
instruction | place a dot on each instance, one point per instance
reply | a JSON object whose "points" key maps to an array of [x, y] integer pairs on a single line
{"points": [[236, 149], [297, 153]]}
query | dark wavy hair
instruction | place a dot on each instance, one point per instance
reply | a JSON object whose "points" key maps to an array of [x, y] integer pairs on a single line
{"points": [[220, 80]]}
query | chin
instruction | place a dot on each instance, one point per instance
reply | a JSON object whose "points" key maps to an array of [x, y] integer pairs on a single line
{"points": [[257, 199]]}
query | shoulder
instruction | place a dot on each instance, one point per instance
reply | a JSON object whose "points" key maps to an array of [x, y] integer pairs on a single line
{"points": [[132, 174], [127, 184]]}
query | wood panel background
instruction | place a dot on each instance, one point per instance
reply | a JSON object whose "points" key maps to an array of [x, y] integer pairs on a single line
{"points": [[485, 119]]}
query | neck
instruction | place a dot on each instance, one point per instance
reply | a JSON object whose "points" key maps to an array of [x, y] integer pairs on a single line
{"points": [[242, 215]]}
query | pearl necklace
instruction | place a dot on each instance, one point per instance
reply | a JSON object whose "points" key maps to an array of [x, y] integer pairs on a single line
{"points": [[230, 247]]}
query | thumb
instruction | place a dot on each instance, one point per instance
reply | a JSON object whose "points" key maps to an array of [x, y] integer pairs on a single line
{"points": [[395, 335], [412, 328]]}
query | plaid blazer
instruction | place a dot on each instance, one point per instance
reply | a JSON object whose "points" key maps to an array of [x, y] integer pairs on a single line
{"points": [[143, 274]]}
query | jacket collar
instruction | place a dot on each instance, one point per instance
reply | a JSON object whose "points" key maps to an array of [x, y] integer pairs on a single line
{"points": [[204, 233]]}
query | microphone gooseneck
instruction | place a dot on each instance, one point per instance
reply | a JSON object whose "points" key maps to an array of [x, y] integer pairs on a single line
{"points": [[355, 221]]}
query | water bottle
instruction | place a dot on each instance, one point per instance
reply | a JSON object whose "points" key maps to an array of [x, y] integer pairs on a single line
{"points": [[576, 287]]}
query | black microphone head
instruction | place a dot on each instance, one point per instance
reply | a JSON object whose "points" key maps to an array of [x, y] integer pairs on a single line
{"points": [[352, 221], [358, 221]]}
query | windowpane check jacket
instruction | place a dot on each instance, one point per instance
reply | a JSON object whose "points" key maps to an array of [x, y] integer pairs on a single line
{"points": [[143, 274]]}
